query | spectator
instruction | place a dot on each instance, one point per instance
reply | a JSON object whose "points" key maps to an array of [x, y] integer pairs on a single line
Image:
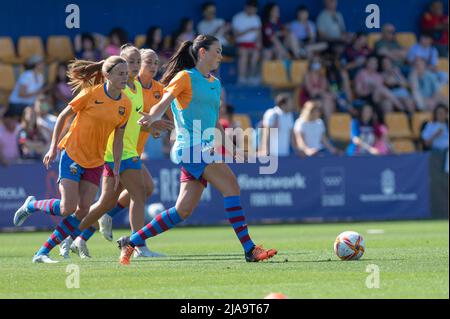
{"points": [[88, 50], [424, 86], [185, 32], [154, 40], [29, 85], [435, 133], [382, 143], [362, 136], [435, 22], [370, 88], [330, 23], [116, 38], [281, 118], [32, 141], [310, 132], [424, 50], [61, 91], [9, 133], [304, 34], [355, 55], [316, 87], [273, 34], [44, 120], [217, 27], [247, 32], [388, 46], [397, 84]]}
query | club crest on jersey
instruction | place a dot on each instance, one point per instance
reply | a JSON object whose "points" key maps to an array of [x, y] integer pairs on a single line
{"points": [[122, 110], [157, 95], [73, 168], [135, 159]]}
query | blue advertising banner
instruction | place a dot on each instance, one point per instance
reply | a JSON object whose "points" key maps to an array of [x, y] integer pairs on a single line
{"points": [[311, 189]]}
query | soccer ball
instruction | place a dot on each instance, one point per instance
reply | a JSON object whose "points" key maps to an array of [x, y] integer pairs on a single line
{"points": [[154, 210], [349, 245]]}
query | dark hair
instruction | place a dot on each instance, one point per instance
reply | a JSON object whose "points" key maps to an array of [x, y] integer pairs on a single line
{"points": [[439, 106], [428, 34], [282, 98], [90, 37], [205, 5], [121, 34], [301, 8], [251, 3], [229, 109], [360, 111], [186, 56], [149, 38], [266, 11], [66, 78]]}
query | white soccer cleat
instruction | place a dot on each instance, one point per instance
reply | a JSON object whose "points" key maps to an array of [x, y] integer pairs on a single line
{"points": [[105, 223], [23, 213], [44, 259], [79, 247], [144, 252], [64, 247]]}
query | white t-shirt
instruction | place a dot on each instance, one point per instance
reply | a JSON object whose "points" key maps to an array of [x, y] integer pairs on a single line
{"points": [[211, 27], [242, 22], [33, 84], [284, 121], [312, 132]]}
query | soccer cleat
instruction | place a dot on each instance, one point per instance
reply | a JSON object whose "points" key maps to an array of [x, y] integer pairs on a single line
{"points": [[45, 259], [105, 223], [79, 247], [126, 250], [144, 252], [23, 213], [64, 247], [258, 253]]}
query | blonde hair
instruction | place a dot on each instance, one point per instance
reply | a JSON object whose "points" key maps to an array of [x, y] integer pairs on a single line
{"points": [[84, 74], [127, 49], [308, 108], [145, 53]]}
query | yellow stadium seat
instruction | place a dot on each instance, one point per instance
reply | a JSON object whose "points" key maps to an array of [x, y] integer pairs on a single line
{"points": [[139, 40], [243, 121], [274, 74], [29, 46], [59, 48], [7, 77], [7, 51], [417, 121], [443, 64], [339, 126], [372, 38], [298, 71], [444, 90], [402, 146], [406, 39], [398, 125]]}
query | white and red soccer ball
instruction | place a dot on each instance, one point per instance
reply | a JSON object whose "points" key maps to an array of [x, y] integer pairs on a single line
{"points": [[349, 245]]}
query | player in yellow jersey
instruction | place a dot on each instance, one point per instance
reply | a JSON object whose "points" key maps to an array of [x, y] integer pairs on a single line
{"points": [[131, 176]]}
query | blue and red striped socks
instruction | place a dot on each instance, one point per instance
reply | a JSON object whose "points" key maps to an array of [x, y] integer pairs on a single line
{"points": [[87, 233], [67, 227], [113, 212], [48, 206], [236, 218], [164, 221]]}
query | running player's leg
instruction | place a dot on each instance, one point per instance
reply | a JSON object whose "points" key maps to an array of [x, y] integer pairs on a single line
{"points": [[224, 180], [188, 198]]}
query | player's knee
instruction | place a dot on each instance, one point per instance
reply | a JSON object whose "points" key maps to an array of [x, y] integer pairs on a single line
{"points": [[149, 187], [184, 211], [232, 190], [67, 208]]}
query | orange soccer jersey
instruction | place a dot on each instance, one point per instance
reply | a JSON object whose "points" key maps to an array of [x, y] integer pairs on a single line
{"points": [[151, 97], [97, 116]]}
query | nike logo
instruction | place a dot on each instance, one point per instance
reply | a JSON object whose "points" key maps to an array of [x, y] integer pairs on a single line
{"points": [[139, 108], [213, 88], [98, 102]]}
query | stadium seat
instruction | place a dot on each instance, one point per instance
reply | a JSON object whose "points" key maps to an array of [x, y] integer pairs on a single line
{"points": [[417, 121], [7, 77], [372, 38], [59, 48], [29, 46], [398, 125], [274, 74], [402, 146], [139, 40], [243, 121], [52, 71], [7, 51], [444, 90], [298, 71], [339, 126], [406, 39], [443, 64]]}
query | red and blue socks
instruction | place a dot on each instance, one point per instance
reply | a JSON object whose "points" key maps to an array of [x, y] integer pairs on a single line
{"points": [[236, 218], [164, 221], [87, 233], [48, 206], [67, 227], [113, 212]]}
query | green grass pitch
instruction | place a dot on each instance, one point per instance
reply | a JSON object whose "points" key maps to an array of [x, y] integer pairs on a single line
{"points": [[207, 262]]}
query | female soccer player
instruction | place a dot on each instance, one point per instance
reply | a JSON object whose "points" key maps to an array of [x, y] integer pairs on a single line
{"points": [[194, 94], [153, 92], [99, 110], [132, 177]]}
